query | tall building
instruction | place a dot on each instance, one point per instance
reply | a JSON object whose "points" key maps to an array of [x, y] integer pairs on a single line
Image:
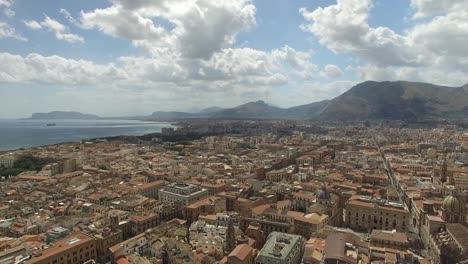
{"points": [[281, 248], [230, 237], [69, 165], [182, 192]]}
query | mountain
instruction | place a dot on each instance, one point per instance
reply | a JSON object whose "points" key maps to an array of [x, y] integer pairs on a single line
{"points": [[251, 110], [262, 110], [305, 112], [211, 110], [63, 115], [398, 100]]}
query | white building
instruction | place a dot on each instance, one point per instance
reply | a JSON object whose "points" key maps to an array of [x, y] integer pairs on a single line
{"points": [[7, 161], [182, 192]]}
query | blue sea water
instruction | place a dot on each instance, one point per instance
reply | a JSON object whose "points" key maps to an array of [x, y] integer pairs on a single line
{"points": [[16, 134]]}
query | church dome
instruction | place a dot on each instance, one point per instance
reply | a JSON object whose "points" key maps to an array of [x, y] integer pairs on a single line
{"points": [[453, 204]]}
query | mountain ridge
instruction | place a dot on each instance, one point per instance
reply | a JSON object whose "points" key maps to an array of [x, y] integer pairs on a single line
{"points": [[370, 100], [399, 100]]}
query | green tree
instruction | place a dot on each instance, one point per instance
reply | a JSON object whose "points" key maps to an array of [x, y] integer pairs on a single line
{"points": [[29, 162]]}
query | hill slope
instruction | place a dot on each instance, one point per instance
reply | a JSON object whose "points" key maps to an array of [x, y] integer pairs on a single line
{"points": [[251, 110], [211, 110], [399, 101]]}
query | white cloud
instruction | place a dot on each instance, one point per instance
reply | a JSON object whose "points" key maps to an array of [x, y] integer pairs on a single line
{"points": [[6, 31], [427, 8], [69, 17], [231, 76], [52, 25], [344, 28], [9, 12], [36, 68], [240, 69], [193, 29], [32, 24], [437, 43], [7, 4], [300, 62], [332, 71]]}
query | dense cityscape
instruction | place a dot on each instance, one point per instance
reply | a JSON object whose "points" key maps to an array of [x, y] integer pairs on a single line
{"points": [[234, 132], [231, 192]]}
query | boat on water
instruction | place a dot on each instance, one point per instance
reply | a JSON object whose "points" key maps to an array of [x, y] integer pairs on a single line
{"points": [[51, 124]]}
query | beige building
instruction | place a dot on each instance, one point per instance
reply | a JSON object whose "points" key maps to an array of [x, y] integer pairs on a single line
{"points": [[367, 214], [307, 224], [388, 239], [460, 181], [182, 192], [276, 175]]}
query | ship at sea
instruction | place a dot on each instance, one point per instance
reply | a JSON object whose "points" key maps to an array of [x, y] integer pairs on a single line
{"points": [[51, 124]]}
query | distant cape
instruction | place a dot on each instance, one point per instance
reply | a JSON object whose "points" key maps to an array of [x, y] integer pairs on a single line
{"points": [[62, 115]]}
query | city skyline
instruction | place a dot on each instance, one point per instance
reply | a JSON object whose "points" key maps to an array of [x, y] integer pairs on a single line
{"points": [[121, 57]]}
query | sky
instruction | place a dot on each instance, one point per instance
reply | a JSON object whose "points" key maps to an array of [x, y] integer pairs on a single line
{"points": [[134, 57]]}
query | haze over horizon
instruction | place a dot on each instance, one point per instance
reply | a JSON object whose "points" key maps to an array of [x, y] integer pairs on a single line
{"points": [[127, 57]]}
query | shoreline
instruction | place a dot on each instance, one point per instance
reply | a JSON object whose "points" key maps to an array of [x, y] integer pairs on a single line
{"points": [[66, 132]]}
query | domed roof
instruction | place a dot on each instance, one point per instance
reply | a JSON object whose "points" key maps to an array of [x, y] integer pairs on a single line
{"points": [[453, 204]]}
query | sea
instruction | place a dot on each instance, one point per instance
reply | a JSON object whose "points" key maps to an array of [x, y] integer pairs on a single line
{"points": [[15, 134]]}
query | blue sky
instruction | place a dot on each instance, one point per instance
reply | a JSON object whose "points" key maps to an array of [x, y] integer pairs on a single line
{"points": [[127, 57]]}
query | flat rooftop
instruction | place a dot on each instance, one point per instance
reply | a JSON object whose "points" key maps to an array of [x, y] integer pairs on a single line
{"points": [[61, 246], [279, 245]]}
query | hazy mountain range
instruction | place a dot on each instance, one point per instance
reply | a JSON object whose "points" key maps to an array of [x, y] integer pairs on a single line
{"points": [[368, 100], [63, 115]]}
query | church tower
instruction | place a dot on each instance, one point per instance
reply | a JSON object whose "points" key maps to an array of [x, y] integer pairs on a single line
{"points": [[443, 172], [230, 238]]}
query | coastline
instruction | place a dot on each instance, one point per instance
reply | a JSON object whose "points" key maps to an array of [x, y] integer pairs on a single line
{"points": [[32, 133]]}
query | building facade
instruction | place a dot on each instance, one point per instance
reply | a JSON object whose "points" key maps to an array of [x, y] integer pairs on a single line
{"points": [[369, 215], [182, 192]]}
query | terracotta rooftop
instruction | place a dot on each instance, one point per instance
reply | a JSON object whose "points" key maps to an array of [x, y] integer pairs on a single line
{"points": [[205, 201], [61, 246], [389, 236], [241, 252]]}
